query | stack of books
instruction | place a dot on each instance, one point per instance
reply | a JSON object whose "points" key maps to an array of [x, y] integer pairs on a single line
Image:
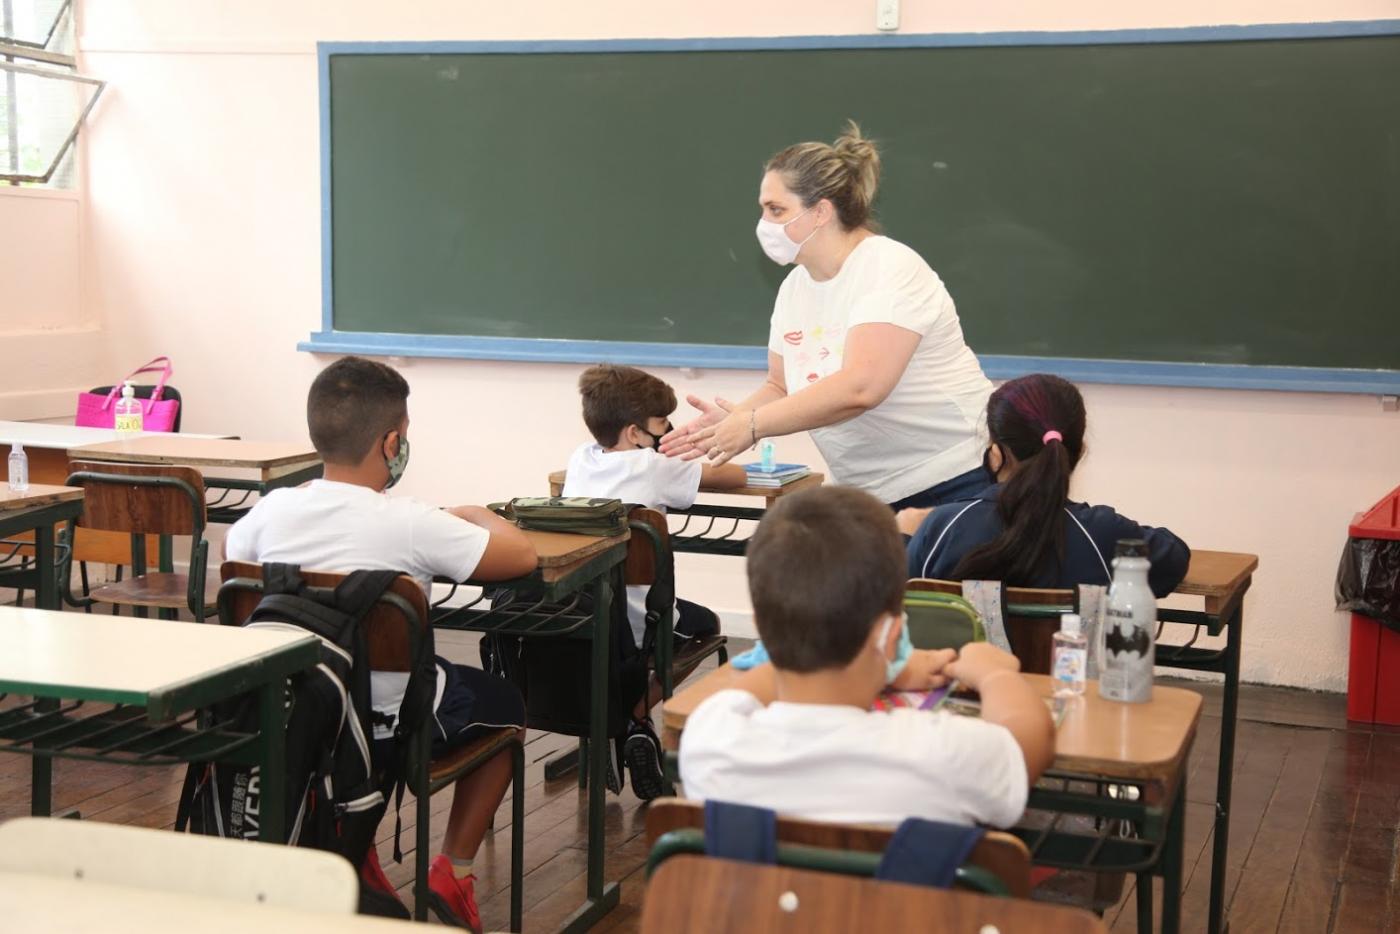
{"points": [[777, 475]]}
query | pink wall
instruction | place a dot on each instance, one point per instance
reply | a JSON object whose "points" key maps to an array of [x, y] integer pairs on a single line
{"points": [[203, 241], [52, 347]]}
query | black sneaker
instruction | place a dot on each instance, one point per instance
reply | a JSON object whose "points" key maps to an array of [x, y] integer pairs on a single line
{"points": [[642, 753]]}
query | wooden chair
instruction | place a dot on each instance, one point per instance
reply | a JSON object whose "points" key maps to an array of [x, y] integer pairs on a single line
{"points": [[142, 500], [1031, 616], [651, 563], [393, 629], [699, 893], [187, 864], [999, 855]]}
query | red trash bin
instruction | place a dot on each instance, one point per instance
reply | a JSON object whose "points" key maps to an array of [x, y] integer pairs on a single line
{"points": [[1375, 647]]}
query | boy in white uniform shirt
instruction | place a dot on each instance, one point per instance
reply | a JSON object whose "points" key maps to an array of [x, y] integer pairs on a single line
{"points": [[627, 412], [826, 574], [357, 413]]}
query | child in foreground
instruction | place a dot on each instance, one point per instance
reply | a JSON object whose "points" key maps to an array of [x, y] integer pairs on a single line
{"points": [[826, 575]]}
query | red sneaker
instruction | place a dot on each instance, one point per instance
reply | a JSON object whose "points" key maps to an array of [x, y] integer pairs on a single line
{"points": [[453, 900], [378, 895]]}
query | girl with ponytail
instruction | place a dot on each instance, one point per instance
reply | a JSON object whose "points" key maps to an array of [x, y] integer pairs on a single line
{"points": [[1025, 531]]}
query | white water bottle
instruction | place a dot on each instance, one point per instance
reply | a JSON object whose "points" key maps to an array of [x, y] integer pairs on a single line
{"points": [[1129, 621], [1071, 657], [128, 411], [19, 468]]}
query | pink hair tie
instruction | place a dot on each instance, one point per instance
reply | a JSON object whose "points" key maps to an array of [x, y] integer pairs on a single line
{"points": [[1051, 435]]}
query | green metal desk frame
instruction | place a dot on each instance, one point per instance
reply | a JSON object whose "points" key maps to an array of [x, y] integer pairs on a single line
{"points": [[1155, 814], [555, 609], [161, 728], [221, 511], [41, 520]]}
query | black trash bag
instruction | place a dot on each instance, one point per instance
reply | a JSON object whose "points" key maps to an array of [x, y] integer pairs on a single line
{"points": [[1368, 580]]}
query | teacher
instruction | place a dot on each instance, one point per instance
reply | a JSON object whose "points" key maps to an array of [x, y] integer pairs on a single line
{"points": [[865, 350]]}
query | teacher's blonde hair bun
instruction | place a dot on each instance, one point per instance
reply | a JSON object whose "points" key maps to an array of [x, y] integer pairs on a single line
{"points": [[846, 173]]}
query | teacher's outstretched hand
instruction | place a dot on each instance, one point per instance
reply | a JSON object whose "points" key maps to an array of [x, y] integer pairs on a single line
{"points": [[865, 349]]}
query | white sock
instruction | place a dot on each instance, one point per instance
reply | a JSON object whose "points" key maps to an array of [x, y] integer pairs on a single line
{"points": [[461, 868]]}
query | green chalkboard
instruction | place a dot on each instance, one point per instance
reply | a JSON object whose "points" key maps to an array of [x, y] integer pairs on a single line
{"points": [[1216, 202]]}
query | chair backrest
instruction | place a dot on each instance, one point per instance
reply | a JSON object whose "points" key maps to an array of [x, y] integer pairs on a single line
{"points": [[1031, 617], [941, 621], [700, 893], [1001, 854], [212, 867], [145, 390], [389, 638], [644, 546], [143, 499]]}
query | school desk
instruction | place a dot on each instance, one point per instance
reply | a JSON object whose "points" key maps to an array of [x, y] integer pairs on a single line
{"points": [[34, 904], [1098, 743], [722, 541], [277, 464], [47, 448], [159, 674], [570, 567], [35, 512], [1222, 578], [691, 893]]}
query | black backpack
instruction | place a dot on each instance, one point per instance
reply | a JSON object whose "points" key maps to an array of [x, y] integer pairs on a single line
{"points": [[335, 795], [555, 674]]}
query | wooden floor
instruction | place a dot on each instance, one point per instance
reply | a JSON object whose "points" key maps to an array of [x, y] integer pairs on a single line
{"points": [[1313, 840]]}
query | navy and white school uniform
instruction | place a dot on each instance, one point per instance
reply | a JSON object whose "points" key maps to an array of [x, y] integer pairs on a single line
{"points": [[1091, 532]]}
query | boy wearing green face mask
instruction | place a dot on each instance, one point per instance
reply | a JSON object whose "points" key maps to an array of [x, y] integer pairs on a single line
{"points": [[357, 414]]}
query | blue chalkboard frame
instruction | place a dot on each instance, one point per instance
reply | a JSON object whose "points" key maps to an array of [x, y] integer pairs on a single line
{"points": [[714, 356]]}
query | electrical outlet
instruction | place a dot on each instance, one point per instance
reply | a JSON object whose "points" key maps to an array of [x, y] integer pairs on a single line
{"points": [[887, 14]]}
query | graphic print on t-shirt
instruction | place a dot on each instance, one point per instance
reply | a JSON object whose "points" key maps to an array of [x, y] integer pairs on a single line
{"points": [[819, 351]]}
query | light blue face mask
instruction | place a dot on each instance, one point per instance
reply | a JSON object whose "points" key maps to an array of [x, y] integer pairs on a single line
{"points": [[902, 650], [758, 654], [398, 463]]}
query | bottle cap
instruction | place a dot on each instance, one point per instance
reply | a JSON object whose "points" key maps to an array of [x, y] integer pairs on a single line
{"points": [[128, 390], [1070, 623], [1130, 548]]}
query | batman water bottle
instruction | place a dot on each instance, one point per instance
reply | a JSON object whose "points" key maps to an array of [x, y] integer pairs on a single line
{"points": [[1129, 622]]}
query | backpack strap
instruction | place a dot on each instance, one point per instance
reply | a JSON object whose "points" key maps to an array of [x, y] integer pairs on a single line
{"points": [[924, 852], [742, 832], [282, 578]]}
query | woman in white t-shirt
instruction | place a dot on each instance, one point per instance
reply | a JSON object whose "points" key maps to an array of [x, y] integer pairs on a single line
{"points": [[865, 350]]}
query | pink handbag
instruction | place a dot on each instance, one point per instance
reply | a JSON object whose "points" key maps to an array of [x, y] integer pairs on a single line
{"points": [[157, 414]]}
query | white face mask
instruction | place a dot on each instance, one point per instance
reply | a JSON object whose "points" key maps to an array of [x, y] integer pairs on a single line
{"points": [[773, 237]]}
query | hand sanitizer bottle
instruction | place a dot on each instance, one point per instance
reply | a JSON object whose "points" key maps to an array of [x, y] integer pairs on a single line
{"points": [[765, 455], [19, 468], [1129, 622], [1071, 657], [128, 411]]}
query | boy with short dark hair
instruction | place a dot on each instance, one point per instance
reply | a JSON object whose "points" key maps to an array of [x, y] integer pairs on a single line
{"points": [[826, 574], [357, 414], [627, 410]]}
